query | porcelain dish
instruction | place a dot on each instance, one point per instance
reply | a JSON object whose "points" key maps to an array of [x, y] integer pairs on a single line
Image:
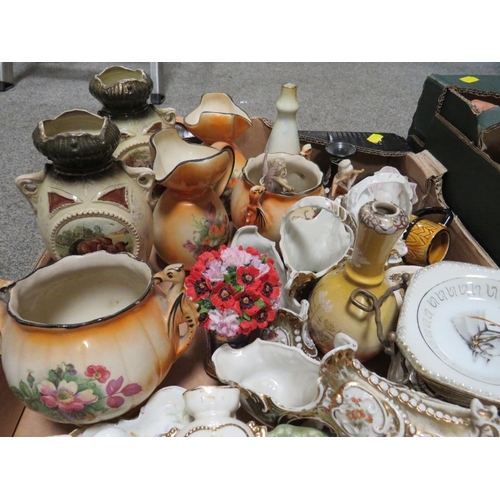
{"points": [[449, 330]]}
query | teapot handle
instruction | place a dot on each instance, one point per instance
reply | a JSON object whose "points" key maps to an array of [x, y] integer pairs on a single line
{"points": [[222, 184], [183, 310], [4, 287], [29, 185]]}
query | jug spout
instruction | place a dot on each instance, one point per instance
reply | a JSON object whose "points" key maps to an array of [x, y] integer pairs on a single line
{"points": [[183, 311]]}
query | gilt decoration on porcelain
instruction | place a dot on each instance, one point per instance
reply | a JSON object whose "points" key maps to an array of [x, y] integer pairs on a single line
{"points": [[354, 401]]}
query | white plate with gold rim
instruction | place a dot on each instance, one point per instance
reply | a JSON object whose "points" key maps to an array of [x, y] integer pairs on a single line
{"points": [[449, 329]]}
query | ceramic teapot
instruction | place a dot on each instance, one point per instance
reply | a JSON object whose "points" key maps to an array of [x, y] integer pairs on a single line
{"points": [[90, 337], [252, 203]]}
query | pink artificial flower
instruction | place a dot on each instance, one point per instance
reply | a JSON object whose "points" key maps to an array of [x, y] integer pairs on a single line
{"points": [[65, 396], [97, 372], [215, 271], [233, 256], [224, 323]]}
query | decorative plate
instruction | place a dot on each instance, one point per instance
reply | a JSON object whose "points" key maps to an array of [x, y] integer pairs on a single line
{"points": [[449, 330]]}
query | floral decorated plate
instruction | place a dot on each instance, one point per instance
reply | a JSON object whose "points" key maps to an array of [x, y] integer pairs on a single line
{"points": [[449, 330]]}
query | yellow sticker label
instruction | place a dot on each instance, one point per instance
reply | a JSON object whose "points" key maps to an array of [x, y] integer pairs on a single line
{"points": [[469, 79], [375, 138]]}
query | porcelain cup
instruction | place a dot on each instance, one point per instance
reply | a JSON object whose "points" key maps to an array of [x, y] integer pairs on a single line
{"points": [[427, 241], [90, 337]]}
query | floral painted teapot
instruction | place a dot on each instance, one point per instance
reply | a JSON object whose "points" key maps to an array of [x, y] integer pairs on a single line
{"points": [[90, 337]]}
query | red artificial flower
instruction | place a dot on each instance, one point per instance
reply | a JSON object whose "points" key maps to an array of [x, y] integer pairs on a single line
{"points": [[251, 251], [248, 326], [222, 296], [264, 317], [270, 285], [247, 276], [197, 286], [246, 302], [205, 257]]}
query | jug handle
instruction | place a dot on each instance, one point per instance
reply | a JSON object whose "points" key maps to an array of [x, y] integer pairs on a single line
{"points": [[226, 178], [254, 214], [183, 310], [5, 285], [29, 185]]}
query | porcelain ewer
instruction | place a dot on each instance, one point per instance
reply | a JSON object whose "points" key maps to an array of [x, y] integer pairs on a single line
{"points": [[280, 384]]}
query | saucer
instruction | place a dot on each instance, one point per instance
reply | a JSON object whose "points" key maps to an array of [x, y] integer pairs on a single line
{"points": [[449, 330]]}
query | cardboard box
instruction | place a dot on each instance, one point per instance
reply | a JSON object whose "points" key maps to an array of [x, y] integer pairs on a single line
{"points": [[188, 370], [451, 96]]}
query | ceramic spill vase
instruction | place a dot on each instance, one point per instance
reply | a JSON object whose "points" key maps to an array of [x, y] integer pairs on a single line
{"points": [[218, 119], [189, 217], [214, 411], [253, 204], [284, 137], [85, 200], [90, 337], [331, 310], [124, 95]]}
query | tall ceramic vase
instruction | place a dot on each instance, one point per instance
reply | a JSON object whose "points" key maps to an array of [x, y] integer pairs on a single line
{"points": [[85, 199], [189, 217], [331, 310], [284, 137], [124, 95]]}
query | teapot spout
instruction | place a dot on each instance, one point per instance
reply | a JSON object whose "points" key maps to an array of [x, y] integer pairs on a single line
{"points": [[183, 313]]}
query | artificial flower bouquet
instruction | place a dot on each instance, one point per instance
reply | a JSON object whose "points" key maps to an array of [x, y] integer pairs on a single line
{"points": [[237, 290]]}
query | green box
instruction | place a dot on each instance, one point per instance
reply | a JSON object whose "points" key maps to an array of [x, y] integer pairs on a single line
{"points": [[471, 187], [450, 96]]}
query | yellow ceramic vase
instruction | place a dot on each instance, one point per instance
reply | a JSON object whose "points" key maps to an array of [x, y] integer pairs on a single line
{"points": [[331, 310]]}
